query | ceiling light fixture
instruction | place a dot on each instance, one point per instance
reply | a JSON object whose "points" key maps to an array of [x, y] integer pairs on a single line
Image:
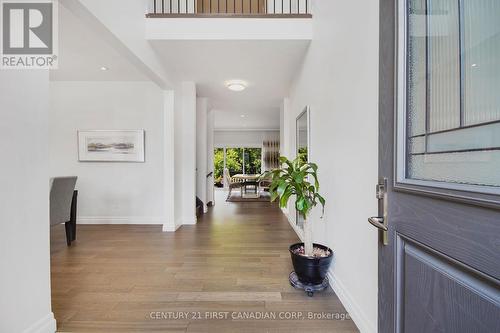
{"points": [[236, 85], [104, 68], [474, 65], [242, 116]]}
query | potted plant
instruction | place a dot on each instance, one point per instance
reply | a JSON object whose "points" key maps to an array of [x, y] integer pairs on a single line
{"points": [[310, 261]]}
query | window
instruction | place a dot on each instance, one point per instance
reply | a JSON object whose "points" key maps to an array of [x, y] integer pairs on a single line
{"points": [[450, 108], [218, 166], [237, 161], [253, 160], [234, 161]]}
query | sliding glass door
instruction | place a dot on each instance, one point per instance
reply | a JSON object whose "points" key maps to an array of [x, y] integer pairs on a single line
{"points": [[252, 160], [239, 160], [234, 161]]}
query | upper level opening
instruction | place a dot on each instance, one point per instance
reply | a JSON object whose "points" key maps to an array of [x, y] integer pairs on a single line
{"points": [[230, 8]]}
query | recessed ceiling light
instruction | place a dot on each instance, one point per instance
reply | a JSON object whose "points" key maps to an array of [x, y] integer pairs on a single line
{"points": [[236, 85], [104, 68], [474, 65], [242, 116]]}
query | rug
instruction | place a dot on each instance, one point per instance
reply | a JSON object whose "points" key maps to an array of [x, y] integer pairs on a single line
{"points": [[236, 197]]}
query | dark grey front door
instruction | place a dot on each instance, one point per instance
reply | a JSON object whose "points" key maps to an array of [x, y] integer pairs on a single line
{"points": [[440, 155]]}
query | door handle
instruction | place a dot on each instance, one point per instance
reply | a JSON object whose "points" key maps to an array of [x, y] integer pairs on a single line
{"points": [[382, 222], [378, 222]]}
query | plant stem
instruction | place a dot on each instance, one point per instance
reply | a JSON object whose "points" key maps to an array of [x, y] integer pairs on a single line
{"points": [[308, 244]]}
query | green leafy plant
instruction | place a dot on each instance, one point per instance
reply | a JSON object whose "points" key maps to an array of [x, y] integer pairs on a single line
{"points": [[292, 179]]}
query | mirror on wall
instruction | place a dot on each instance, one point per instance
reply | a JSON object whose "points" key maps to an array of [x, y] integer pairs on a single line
{"points": [[302, 144]]}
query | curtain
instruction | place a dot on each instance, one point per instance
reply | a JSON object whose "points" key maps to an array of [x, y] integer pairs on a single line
{"points": [[271, 154]]}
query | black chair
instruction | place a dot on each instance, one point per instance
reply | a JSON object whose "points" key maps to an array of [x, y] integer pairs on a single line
{"points": [[63, 205]]}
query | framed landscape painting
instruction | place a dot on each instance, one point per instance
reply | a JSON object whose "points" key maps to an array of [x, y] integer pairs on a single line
{"points": [[111, 146]]}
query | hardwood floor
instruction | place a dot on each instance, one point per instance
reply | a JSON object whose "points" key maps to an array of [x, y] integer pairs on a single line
{"points": [[229, 273]]}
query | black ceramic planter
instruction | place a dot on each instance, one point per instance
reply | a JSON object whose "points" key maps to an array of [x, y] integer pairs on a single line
{"points": [[310, 270]]}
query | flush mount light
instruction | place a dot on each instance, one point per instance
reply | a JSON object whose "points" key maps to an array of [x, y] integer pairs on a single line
{"points": [[236, 85], [104, 68]]}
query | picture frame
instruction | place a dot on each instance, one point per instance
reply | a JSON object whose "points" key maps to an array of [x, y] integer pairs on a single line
{"points": [[111, 146]]}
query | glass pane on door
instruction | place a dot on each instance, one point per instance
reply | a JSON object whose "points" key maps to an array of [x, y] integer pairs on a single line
{"points": [[452, 91]]}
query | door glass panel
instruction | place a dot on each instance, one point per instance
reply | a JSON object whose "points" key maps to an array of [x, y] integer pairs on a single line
{"points": [[443, 73], [482, 60], [452, 91]]}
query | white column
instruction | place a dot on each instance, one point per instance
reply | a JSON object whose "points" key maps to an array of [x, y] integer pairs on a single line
{"points": [[188, 153], [287, 144], [24, 200], [201, 150], [168, 160], [286, 130], [210, 156]]}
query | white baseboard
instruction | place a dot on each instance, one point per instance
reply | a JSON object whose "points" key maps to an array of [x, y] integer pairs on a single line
{"points": [[120, 220], [358, 317], [170, 228], [45, 325], [298, 231]]}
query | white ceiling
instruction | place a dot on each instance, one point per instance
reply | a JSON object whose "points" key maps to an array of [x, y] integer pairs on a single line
{"points": [[82, 52], [267, 66]]}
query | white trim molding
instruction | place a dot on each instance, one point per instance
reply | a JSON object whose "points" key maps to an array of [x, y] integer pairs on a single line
{"points": [[45, 325], [121, 220], [298, 231], [244, 129], [358, 317], [168, 227]]}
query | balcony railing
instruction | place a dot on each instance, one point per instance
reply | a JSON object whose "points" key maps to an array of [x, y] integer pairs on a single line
{"points": [[230, 8]]}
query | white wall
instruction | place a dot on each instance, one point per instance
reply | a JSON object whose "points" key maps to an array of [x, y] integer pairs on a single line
{"points": [[286, 130], [185, 154], [111, 192], [242, 138], [339, 80], [24, 203], [214, 28], [201, 149], [122, 24]]}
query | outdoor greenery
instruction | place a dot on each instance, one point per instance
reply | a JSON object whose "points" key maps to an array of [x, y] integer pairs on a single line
{"points": [[253, 160], [303, 154], [235, 157], [218, 165], [293, 179]]}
